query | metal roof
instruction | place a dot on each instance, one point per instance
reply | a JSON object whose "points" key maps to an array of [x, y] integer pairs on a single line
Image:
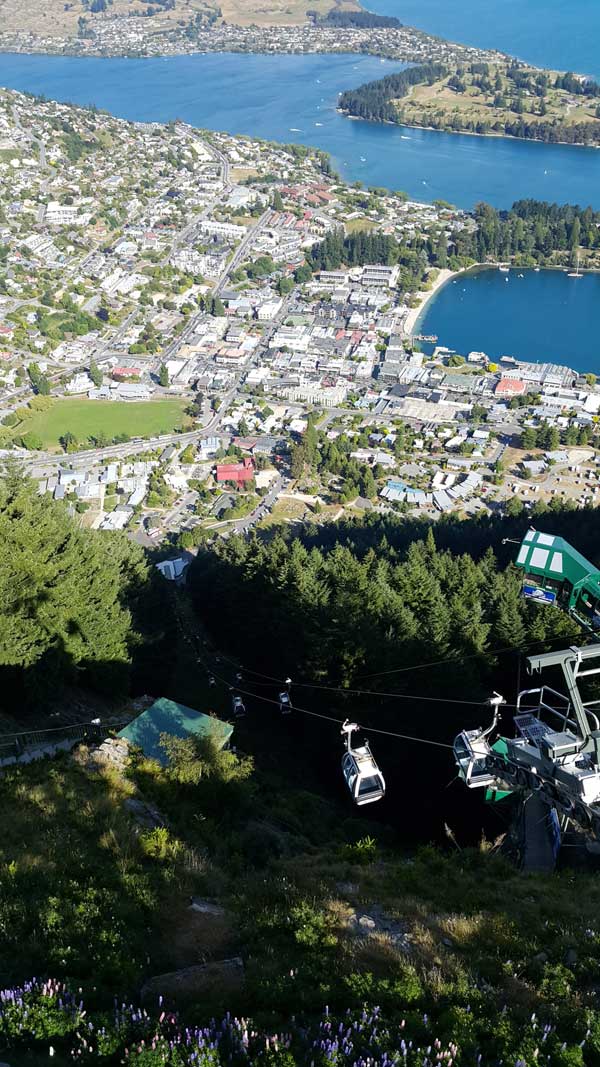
{"points": [[167, 717], [553, 557]]}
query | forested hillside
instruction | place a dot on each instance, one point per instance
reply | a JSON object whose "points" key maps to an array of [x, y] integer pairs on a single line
{"points": [[380, 593], [76, 607], [374, 100], [360, 945]]}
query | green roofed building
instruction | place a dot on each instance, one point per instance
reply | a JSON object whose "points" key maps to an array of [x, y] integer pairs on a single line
{"points": [[167, 717], [556, 573]]}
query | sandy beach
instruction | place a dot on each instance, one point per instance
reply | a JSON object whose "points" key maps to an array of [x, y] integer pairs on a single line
{"points": [[424, 298]]}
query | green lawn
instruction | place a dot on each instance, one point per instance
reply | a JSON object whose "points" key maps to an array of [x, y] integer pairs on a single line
{"points": [[91, 417]]}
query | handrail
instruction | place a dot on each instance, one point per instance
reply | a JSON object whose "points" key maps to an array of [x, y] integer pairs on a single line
{"points": [[76, 731], [66, 726], [563, 717]]}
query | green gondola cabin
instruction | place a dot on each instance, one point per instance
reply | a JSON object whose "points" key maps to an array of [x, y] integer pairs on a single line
{"points": [[555, 573]]}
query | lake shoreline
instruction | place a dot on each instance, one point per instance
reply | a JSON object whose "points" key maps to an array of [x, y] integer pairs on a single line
{"points": [[426, 295], [525, 314], [413, 319], [492, 135]]}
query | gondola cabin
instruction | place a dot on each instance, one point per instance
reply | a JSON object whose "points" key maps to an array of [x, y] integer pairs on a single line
{"points": [[471, 752], [285, 704], [556, 573], [363, 777], [237, 706]]}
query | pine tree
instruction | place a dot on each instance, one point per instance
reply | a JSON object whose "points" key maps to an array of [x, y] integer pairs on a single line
{"points": [[62, 595], [96, 374], [297, 461]]}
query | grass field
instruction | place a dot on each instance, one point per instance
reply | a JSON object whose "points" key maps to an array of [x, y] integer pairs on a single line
{"points": [[85, 418], [362, 224]]}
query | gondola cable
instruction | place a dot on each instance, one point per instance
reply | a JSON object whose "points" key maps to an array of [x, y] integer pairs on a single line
{"points": [[331, 718]]}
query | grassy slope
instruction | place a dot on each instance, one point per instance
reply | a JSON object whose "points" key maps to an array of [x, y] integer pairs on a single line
{"points": [[277, 12], [85, 417], [54, 18], [81, 898], [426, 101]]}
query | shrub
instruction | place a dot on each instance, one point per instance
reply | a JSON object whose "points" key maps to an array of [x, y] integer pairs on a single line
{"points": [[362, 852], [159, 844]]}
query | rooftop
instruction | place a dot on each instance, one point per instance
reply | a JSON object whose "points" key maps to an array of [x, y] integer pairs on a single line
{"points": [[167, 717]]}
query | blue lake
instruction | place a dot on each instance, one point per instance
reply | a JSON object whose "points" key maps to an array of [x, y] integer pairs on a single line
{"points": [[542, 317], [561, 34], [293, 98]]}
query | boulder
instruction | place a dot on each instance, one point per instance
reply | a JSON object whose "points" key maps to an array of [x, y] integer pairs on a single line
{"points": [[193, 983], [367, 923], [206, 907], [113, 751], [378, 922], [143, 813]]}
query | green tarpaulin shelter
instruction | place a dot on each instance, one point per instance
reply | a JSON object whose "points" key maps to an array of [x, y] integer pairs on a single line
{"points": [[167, 717]]}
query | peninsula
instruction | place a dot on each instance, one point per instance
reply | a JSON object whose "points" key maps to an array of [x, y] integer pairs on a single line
{"points": [[502, 98]]}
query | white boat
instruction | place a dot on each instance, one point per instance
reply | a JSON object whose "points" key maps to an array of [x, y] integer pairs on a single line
{"points": [[504, 270], [576, 273], [318, 123]]}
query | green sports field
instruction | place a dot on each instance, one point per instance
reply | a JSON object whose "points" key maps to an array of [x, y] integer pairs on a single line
{"points": [[85, 418]]}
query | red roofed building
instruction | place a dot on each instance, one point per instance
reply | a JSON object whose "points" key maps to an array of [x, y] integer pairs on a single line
{"points": [[236, 472], [509, 387], [126, 372]]}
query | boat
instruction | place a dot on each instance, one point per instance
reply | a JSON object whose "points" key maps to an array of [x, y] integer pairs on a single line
{"points": [[504, 270], [318, 123], [363, 159], [575, 273], [537, 270]]}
